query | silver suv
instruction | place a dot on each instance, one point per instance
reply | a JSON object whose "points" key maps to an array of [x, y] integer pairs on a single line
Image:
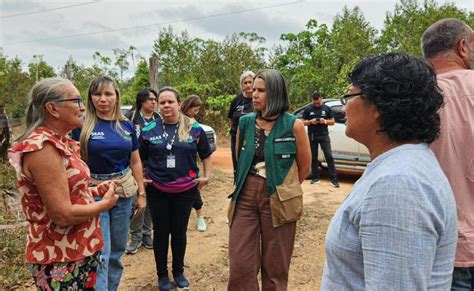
{"points": [[347, 153]]}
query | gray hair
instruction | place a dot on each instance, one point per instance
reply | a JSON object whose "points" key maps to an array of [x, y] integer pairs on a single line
{"points": [[43, 92], [443, 35], [277, 94], [245, 75]]}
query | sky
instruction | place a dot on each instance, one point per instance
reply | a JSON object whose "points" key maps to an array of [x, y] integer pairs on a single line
{"points": [[57, 30]]}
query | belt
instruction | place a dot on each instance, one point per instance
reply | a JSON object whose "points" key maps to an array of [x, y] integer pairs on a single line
{"points": [[254, 172], [103, 177]]}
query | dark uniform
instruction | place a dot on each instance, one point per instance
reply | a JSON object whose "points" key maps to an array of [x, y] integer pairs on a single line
{"points": [[238, 107], [318, 134]]}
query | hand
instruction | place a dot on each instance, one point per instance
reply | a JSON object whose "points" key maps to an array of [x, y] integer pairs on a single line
{"points": [[314, 121], [323, 121], [103, 187], [109, 197], [201, 182], [140, 204], [147, 181]]}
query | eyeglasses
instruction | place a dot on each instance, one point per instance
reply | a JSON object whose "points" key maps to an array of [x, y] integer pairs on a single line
{"points": [[345, 98], [78, 101]]}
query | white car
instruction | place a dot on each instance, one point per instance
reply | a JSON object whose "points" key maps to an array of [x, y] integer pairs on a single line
{"points": [[210, 132], [347, 153]]}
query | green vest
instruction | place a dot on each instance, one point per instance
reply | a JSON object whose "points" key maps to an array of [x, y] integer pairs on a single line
{"points": [[280, 150]]}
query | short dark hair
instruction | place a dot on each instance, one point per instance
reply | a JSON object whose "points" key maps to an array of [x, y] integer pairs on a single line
{"points": [[443, 35], [404, 91], [277, 94], [316, 95], [142, 97]]}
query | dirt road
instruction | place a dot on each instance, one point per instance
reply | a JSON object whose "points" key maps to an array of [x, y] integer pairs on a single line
{"points": [[206, 256]]}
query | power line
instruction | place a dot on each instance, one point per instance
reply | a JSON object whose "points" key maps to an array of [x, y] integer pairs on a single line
{"points": [[46, 10], [155, 24]]}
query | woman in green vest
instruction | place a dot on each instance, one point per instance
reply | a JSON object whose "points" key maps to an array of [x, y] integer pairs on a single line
{"points": [[274, 158]]}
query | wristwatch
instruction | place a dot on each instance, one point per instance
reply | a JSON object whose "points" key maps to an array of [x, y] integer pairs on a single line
{"points": [[142, 194]]}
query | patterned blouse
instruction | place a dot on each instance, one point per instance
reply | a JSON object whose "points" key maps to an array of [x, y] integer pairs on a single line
{"points": [[46, 241]]}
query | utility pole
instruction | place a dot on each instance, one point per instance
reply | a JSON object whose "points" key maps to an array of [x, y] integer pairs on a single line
{"points": [[38, 58], [153, 73]]}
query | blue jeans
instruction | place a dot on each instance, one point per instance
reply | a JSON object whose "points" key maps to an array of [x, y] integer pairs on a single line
{"points": [[463, 279], [114, 224]]}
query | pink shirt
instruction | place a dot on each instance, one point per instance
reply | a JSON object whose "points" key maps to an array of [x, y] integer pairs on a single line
{"points": [[455, 152]]}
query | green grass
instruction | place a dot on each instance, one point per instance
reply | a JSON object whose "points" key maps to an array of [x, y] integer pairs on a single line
{"points": [[13, 271], [7, 174]]}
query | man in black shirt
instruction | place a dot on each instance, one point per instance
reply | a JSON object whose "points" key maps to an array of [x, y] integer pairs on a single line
{"points": [[317, 117]]}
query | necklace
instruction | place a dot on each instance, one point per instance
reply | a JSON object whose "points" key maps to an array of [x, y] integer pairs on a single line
{"points": [[269, 119], [169, 144]]}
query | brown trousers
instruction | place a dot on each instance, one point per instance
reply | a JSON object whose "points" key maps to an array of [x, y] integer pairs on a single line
{"points": [[255, 244]]}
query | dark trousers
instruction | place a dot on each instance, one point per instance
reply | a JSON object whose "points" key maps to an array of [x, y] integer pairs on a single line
{"points": [[233, 139], [198, 201], [463, 279], [170, 215], [325, 143]]}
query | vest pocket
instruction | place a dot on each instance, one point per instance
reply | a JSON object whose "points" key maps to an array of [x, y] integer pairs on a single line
{"points": [[287, 202], [285, 150]]}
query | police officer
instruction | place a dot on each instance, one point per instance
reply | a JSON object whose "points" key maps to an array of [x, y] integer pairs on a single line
{"points": [[317, 117]]}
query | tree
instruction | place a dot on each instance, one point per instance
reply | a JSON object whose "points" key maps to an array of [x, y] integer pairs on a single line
{"points": [[14, 86], [405, 26], [39, 69], [121, 56], [140, 80]]}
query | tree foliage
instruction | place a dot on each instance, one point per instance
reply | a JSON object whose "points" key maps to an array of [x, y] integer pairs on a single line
{"points": [[405, 26], [317, 58]]}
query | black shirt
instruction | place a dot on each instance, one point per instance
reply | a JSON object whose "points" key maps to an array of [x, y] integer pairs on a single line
{"points": [[239, 107], [322, 111]]}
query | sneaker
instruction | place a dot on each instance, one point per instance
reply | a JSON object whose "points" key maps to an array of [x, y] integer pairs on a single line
{"points": [[335, 184], [164, 284], [315, 181], [147, 242], [201, 224], [133, 247], [181, 282]]}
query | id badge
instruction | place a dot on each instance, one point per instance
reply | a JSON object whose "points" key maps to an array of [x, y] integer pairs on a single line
{"points": [[170, 161]]}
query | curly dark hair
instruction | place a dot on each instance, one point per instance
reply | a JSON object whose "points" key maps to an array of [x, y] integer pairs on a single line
{"points": [[405, 92]]}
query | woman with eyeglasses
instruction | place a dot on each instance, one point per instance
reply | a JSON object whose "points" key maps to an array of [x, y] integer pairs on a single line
{"points": [[396, 230], [109, 145], [64, 237], [142, 116]]}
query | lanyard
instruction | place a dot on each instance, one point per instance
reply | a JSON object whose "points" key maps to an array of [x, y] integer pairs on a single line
{"points": [[169, 144], [145, 121]]}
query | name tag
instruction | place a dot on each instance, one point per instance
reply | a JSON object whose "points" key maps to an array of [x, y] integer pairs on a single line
{"points": [[170, 162]]}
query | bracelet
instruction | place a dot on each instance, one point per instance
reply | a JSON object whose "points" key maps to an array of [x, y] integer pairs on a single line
{"points": [[142, 194]]}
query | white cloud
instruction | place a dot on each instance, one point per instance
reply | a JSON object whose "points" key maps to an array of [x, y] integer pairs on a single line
{"points": [[204, 19]]}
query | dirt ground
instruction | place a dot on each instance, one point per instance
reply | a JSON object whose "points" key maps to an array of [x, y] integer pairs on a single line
{"points": [[206, 263]]}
